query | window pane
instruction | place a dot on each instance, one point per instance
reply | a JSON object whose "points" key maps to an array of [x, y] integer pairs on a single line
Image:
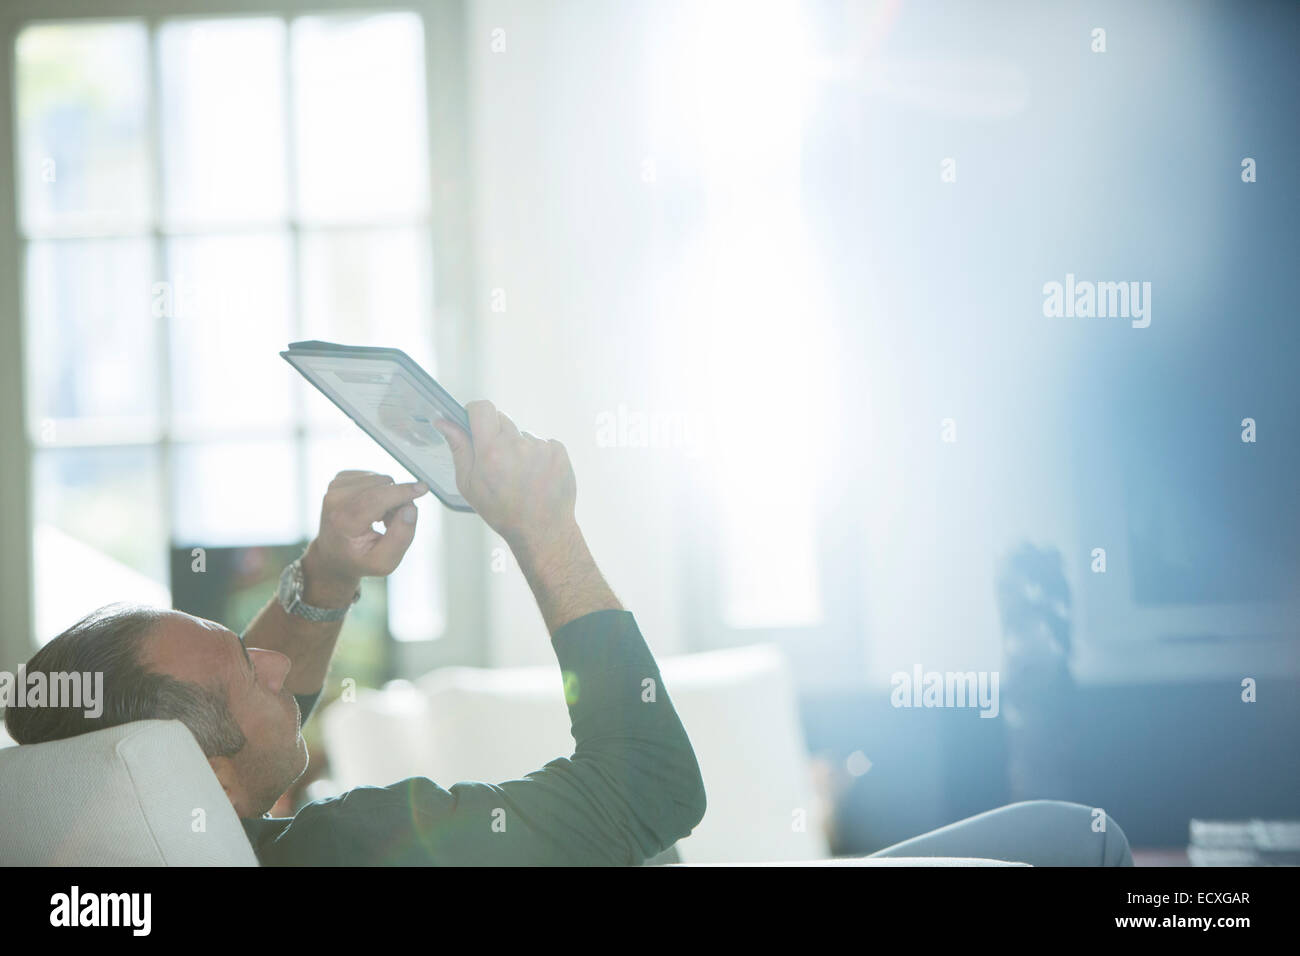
{"points": [[234, 493], [230, 314], [223, 128], [770, 574], [83, 151], [416, 600], [367, 287], [360, 117], [98, 535], [91, 351]]}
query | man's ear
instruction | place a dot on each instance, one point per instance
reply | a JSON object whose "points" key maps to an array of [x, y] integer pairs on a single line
{"points": [[224, 768]]}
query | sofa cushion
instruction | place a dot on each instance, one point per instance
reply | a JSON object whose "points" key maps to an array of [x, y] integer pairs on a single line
{"points": [[125, 796]]}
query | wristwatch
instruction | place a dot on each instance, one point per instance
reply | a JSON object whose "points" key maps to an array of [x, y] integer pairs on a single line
{"points": [[289, 595]]}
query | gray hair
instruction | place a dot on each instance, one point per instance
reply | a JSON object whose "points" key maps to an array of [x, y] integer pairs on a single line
{"points": [[108, 640]]}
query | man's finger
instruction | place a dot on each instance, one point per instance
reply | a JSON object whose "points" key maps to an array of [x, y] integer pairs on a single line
{"points": [[484, 420], [399, 532], [376, 501], [354, 476], [508, 427], [362, 478], [462, 449]]}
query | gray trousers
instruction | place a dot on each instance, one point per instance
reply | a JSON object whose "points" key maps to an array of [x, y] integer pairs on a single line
{"points": [[1037, 832]]}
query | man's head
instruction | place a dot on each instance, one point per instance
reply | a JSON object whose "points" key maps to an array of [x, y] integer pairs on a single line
{"points": [[166, 665]]}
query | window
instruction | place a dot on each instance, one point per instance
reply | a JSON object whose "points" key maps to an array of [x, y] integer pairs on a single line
{"points": [[193, 194], [760, 321]]}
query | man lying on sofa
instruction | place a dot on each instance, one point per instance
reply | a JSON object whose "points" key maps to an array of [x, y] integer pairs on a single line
{"points": [[630, 790]]}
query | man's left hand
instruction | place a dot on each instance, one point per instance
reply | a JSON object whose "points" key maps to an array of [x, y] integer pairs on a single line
{"points": [[348, 548]]}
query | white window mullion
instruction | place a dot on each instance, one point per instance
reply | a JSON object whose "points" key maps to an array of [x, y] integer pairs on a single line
{"points": [[294, 223], [17, 590], [162, 324]]}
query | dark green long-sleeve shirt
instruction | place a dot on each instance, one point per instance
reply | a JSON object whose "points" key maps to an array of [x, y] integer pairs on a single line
{"points": [[630, 790]]}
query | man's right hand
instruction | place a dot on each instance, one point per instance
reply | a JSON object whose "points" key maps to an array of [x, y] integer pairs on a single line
{"points": [[521, 485], [525, 489]]}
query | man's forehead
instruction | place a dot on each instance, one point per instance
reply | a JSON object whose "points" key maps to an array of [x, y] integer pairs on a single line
{"points": [[191, 647]]}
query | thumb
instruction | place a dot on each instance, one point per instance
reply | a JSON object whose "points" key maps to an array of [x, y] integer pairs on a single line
{"points": [[399, 532], [462, 449]]}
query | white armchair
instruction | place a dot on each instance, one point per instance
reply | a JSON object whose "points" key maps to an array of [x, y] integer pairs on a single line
{"points": [[125, 796]]}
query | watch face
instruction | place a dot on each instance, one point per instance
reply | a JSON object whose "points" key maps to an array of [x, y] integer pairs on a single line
{"points": [[290, 589], [290, 597]]}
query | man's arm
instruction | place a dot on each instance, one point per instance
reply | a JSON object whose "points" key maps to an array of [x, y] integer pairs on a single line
{"points": [[525, 489], [346, 549], [632, 786]]}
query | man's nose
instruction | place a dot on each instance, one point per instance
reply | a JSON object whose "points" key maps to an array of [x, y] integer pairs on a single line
{"points": [[272, 668]]}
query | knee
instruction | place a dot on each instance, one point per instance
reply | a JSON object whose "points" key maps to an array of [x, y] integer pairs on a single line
{"points": [[1095, 832]]}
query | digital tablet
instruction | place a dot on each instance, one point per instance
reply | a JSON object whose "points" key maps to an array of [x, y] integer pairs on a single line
{"points": [[394, 401]]}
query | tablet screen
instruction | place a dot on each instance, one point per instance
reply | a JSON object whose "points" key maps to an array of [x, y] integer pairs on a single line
{"points": [[392, 404]]}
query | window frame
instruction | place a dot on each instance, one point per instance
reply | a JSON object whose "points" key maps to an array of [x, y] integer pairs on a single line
{"points": [[464, 639]]}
